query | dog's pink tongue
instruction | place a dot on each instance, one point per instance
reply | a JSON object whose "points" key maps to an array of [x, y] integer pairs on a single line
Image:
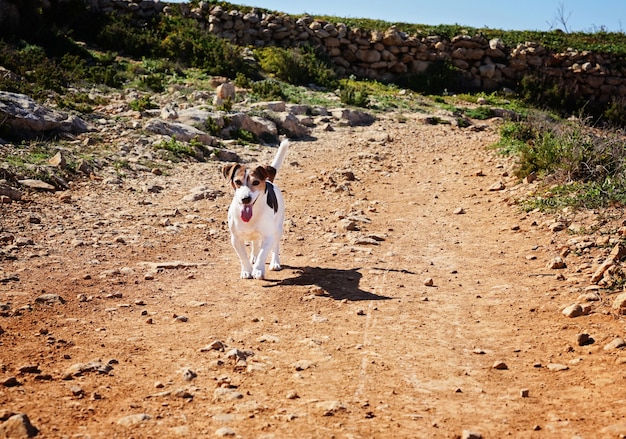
{"points": [[246, 213]]}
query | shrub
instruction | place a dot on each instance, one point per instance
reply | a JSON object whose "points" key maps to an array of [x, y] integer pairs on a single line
{"points": [[354, 95], [569, 152], [268, 89], [300, 66], [143, 103]]}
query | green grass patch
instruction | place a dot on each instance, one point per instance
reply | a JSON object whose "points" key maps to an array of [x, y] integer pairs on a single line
{"points": [[586, 168]]}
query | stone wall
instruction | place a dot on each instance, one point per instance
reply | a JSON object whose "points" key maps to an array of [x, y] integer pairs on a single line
{"points": [[485, 64]]}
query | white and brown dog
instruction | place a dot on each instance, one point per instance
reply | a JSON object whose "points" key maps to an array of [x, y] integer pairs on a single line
{"points": [[256, 214]]}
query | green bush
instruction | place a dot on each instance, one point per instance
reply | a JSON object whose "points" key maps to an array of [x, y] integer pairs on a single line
{"points": [[143, 103], [354, 95], [299, 66], [569, 152], [268, 89]]}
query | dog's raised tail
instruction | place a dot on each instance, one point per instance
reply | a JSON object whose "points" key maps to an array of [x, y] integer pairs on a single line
{"points": [[279, 158]]}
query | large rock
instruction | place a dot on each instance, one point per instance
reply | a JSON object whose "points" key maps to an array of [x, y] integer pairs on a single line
{"points": [[180, 131], [17, 426], [354, 117], [261, 128], [292, 127], [27, 119]]}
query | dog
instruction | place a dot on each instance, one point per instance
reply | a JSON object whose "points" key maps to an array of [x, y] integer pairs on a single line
{"points": [[256, 214]]}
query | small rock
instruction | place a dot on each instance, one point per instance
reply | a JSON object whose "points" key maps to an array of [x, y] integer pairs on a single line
{"points": [[557, 367], [36, 184], [58, 161], [77, 391], [303, 365], [557, 226], [49, 299], [188, 374], [458, 211], [524, 393], [292, 394], [10, 382], [500, 365], [619, 304], [577, 310], [429, 282], [330, 408], [556, 263], [225, 431], [225, 394], [618, 343], [318, 291], [467, 434], [31, 368], [215, 345], [131, 420], [584, 339], [498, 186]]}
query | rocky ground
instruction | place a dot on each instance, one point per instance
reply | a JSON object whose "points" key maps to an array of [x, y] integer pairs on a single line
{"points": [[415, 300]]}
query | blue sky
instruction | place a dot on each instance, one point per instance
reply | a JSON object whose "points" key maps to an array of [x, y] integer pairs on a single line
{"points": [[580, 15]]}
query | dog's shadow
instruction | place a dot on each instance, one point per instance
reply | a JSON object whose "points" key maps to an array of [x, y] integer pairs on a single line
{"points": [[338, 284]]}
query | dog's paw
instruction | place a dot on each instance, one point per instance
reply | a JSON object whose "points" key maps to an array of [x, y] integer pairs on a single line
{"points": [[258, 274], [246, 274], [275, 266]]}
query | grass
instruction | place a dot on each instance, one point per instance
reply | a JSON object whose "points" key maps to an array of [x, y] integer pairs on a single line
{"points": [[583, 167]]}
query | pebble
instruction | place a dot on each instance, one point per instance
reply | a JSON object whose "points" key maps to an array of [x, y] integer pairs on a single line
{"points": [[10, 382], [49, 299], [583, 339], [292, 394], [557, 367], [303, 365], [188, 374], [268, 338], [330, 408], [498, 186], [468, 434], [576, 310], [215, 345], [524, 393], [225, 431], [225, 394], [500, 365], [618, 343], [429, 282], [132, 420], [557, 263]]}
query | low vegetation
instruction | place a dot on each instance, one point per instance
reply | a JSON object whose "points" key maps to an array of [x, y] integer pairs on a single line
{"points": [[61, 53]]}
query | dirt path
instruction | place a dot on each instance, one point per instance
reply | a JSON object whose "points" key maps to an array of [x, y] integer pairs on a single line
{"points": [[158, 337]]}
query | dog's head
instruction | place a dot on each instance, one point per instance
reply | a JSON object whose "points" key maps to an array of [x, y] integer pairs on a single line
{"points": [[249, 184]]}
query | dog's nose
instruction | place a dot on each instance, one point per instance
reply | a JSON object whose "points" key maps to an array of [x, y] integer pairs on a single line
{"points": [[246, 200]]}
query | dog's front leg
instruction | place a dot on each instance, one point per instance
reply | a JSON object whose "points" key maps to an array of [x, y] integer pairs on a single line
{"points": [[258, 269], [240, 248]]}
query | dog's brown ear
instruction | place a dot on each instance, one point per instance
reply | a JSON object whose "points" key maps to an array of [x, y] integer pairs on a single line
{"points": [[261, 173], [271, 173], [229, 170]]}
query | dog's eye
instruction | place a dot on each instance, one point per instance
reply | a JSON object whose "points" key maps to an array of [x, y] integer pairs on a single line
{"points": [[237, 182], [256, 183]]}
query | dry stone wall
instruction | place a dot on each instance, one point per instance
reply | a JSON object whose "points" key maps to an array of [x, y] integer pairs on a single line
{"points": [[484, 64]]}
